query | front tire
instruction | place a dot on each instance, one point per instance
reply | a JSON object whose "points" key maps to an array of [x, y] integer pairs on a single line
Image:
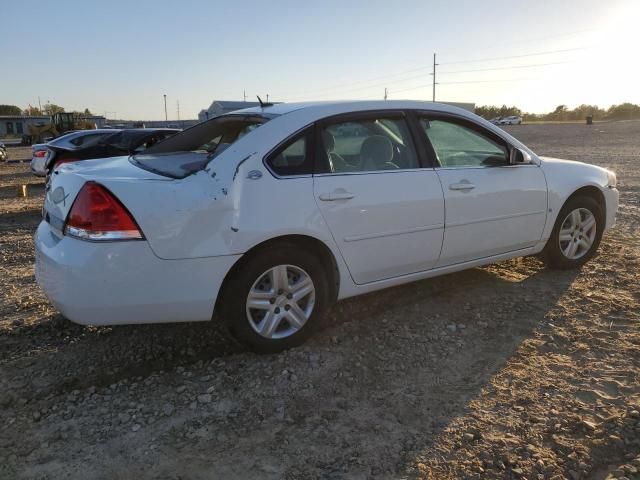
{"points": [[275, 298], [576, 234]]}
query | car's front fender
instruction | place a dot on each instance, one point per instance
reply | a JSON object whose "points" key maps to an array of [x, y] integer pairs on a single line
{"points": [[564, 178]]}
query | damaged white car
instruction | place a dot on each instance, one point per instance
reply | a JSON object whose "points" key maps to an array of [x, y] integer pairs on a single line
{"points": [[267, 216]]}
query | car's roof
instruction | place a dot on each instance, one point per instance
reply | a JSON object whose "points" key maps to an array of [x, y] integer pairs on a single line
{"points": [[95, 130], [141, 132], [330, 107]]}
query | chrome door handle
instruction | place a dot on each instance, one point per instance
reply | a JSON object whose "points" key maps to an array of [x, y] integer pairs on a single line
{"points": [[331, 197], [462, 186]]}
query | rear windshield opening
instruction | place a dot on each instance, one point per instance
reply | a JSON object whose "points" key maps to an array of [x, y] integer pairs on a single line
{"points": [[189, 151]]}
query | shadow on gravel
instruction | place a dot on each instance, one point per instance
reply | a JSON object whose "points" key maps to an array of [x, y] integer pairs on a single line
{"points": [[73, 356], [517, 308], [21, 220], [398, 367]]}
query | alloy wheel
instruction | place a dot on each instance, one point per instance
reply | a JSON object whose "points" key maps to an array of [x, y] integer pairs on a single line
{"points": [[280, 302], [577, 233]]}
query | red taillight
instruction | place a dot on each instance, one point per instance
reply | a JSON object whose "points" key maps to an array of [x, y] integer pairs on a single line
{"points": [[40, 153], [96, 214]]}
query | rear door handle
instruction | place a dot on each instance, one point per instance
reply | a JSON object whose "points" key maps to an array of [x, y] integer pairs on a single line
{"points": [[332, 197], [464, 186]]}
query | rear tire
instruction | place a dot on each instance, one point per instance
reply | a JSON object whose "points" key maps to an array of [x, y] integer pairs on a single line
{"points": [[576, 234], [289, 289]]}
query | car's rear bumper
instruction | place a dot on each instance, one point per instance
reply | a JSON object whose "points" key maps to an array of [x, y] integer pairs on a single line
{"points": [[113, 283], [37, 166]]}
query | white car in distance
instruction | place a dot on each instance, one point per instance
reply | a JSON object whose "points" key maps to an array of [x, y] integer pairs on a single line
{"points": [[511, 120], [71, 141], [266, 216]]}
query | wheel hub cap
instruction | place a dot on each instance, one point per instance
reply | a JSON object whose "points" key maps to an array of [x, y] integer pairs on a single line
{"points": [[577, 233], [280, 301]]}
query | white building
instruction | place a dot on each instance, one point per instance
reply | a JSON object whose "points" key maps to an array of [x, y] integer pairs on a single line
{"points": [[219, 107]]}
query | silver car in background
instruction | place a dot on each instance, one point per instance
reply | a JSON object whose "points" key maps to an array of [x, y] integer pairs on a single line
{"points": [[72, 140], [511, 120]]}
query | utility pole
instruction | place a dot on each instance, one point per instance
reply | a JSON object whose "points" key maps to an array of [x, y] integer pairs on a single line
{"points": [[434, 77], [39, 105], [267, 98], [244, 95], [166, 118], [178, 108], [385, 93]]}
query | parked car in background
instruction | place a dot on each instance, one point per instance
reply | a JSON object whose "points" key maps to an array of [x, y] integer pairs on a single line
{"points": [[71, 141], [496, 120], [511, 120], [111, 144], [267, 216], [3, 152]]}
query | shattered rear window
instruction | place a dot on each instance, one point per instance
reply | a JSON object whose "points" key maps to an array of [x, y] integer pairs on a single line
{"points": [[189, 151]]}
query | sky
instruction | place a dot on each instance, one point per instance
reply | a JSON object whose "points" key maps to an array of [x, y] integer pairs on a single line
{"points": [[118, 58]]}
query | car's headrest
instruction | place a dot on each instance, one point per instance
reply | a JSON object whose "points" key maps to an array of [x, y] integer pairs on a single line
{"points": [[376, 150]]}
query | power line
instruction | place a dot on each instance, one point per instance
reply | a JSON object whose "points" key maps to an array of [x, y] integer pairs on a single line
{"points": [[506, 68], [451, 83], [341, 86], [487, 81], [315, 90], [367, 87], [548, 52]]}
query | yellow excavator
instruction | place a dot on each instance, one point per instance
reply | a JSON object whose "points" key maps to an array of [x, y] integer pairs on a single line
{"points": [[59, 124]]}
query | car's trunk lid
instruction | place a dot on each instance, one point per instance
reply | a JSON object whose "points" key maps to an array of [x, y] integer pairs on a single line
{"points": [[66, 181]]}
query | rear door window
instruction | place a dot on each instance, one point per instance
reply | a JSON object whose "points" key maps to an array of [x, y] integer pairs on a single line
{"points": [[292, 158], [370, 144]]}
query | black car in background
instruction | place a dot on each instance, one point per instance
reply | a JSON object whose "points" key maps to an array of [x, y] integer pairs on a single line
{"points": [[123, 142]]}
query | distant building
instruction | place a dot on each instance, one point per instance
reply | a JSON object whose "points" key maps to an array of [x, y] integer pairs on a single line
{"points": [[467, 106], [219, 107], [18, 125]]}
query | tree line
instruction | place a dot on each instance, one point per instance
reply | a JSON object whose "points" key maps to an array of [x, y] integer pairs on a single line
{"points": [[48, 109], [623, 111]]}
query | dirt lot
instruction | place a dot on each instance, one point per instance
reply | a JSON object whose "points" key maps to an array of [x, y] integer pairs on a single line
{"points": [[508, 371]]}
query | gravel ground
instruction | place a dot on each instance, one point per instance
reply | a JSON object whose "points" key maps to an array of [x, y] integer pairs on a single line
{"points": [[508, 371]]}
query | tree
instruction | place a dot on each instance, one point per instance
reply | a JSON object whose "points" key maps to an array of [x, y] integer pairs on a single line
{"points": [[10, 110], [560, 112], [33, 111], [87, 111], [52, 109], [624, 111], [491, 111]]}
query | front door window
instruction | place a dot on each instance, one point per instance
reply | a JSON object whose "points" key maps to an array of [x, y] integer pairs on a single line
{"points": [[457, 145]]}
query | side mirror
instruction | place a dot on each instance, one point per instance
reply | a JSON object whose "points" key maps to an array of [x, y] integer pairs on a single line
{"points": [[519, 157]]}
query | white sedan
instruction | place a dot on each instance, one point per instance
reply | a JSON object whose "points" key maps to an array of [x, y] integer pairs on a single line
{"points": [[510, 120], [267, 216]]}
